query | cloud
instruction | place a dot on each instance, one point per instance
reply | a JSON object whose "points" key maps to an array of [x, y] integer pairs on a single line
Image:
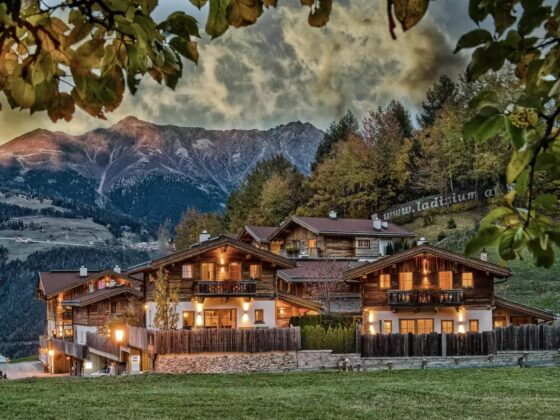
{"points": [[283, 70]]}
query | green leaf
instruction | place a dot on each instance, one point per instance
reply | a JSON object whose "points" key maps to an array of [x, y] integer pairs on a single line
{"points": [[484, 238], [186, 48], [199, 3], [483, 99], [217, 22], [23, 92], [478, 10], [181, 24], [519, 161], [483, 127], [547, 201], [473, 38], [532, 18], [521, 183], [515, 134], [494, 215]]}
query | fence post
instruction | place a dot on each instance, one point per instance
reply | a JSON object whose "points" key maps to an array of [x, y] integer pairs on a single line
{"points": [[358, 339], [444, 345]]}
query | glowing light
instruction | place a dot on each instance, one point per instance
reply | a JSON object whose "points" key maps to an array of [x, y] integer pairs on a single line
{"points": [[370, 317], [88, 365], [199, 307], [199, 320], [371, 329], [146, 306], [461, 329], [281, 311], [245, 317], [119, 335], [51, 353], [222, 261], [245, 306]]}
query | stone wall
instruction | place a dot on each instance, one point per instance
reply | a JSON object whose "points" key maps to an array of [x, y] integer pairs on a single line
{"points": [[226, 362]]}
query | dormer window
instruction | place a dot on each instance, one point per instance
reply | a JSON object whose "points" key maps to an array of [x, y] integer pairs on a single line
{"points": [[235, 271], [187, 271], [467, 280], [405, 281], [207, 271], [445, 280], [255, 271], [384, 281]]}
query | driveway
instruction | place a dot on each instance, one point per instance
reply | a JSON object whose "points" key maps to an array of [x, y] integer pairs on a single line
{"points": [[23, 370]]}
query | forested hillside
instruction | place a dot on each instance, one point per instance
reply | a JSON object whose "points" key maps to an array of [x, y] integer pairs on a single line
{"points": [[22, 317]]}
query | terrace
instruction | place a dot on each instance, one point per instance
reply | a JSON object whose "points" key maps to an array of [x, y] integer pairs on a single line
{"points": [[225, 288], [429, 297]]}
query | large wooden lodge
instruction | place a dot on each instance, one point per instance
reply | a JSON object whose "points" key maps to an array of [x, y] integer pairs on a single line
{"points": [[260, 279]]}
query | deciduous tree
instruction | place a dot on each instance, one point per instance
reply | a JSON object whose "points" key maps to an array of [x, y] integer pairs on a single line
{"points": [[166, 299]]}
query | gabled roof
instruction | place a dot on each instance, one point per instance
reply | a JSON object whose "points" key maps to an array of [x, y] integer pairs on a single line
{"points": [[214, 243], [258, 233], [102, 294], [475, 263], [317, 270], [299, 301], [341, 226], [524, 309], [56, 281]]}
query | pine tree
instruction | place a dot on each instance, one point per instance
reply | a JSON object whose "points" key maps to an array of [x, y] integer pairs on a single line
{"points": [[441, 92], [166, 299], [192, 223], [337, 131]]}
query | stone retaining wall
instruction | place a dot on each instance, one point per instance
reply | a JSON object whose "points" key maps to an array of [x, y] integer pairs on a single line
{"points": [[226, 362]]}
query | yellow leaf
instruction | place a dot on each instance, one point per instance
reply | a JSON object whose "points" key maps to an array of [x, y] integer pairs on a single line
{"points": [[410, 12], [23, 93], [244, 12]]}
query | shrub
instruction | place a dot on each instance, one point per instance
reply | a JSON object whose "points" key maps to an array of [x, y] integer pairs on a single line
{"points": [[441, 236], [337, 339], [451, 224], [428, 220], [327, 320]]}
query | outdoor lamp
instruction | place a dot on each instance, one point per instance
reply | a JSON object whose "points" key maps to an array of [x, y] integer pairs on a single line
{"points": [[461, 328], [371, 329], [199, 320], [119, 335], [199, 307], [370, 317], [88, 364], [51, 353], [245, 306]]}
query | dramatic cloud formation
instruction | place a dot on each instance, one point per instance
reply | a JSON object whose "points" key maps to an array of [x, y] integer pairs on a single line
{"points": [[283, 70]]}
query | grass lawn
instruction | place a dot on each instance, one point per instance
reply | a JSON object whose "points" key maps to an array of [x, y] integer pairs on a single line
{"points": [[464, 393], [31, 358]]}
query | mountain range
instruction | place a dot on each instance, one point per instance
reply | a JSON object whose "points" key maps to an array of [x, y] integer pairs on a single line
{"points": [[148, 171]]}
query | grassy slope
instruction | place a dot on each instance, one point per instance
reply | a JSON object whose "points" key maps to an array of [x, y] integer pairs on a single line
{"points": [[529, 284], [490, 393]]}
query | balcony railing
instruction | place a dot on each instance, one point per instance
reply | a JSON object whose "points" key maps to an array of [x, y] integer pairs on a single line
{"points": [[225, 288], [451, 297]]}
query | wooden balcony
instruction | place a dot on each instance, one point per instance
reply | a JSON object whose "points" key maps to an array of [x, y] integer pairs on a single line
{"points": [[413, 298], [75, 350], [225, 288], [102, 343]]}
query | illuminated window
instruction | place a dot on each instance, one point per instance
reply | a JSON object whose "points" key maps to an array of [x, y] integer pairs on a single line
{"points": [[407, 326], [467, 280], [447, 327], [387, 327], [362, 243], [500, 322], [255, 271], [425, 326], [235, 271], [405, 281], [207, 271], [473, 325], [445, 280], [188, 319], [187, 271], [259, 316], [312, 243], [384, 281], [101, 284]]}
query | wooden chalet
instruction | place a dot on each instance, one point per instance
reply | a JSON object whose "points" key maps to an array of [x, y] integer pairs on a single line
{"points": [[428, 289], [333, 237], [222, 283], [258, 237], [83, 301]]}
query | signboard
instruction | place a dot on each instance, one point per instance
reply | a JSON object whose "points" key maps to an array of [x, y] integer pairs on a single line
{"points": [[436, 202], [134, 364]]}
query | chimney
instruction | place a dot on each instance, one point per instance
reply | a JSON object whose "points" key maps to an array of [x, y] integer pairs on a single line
{"points": [[83, 271], [332, 214], [484, 255], [204, 236], [376, 221], [117, 269], [421, 241], [385, 224]]}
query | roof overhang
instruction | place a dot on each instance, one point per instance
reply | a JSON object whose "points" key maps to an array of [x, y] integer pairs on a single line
{"points": [[381, 263], [524, 309], [299, 301], [116, 291]]}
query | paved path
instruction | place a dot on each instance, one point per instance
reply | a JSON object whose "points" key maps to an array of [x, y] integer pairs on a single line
{"points": [[23, 370]]}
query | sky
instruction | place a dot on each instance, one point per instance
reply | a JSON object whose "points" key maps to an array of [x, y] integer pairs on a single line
{"points": [[283, 70]]}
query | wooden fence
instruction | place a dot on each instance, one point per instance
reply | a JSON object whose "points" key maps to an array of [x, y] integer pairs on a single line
{"points": [[137, 337], [102, 343], [528, 338], [521, 338], [226, 340], [69, 348]]}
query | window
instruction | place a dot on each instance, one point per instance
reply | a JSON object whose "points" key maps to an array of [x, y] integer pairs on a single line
{"points": [[255, 271], [405, 281], [424, 326], [113, 307], [467, 280], [406, 326], [473, 325], [235, 271], [101, 284], [312, 243], [362, 243], [388, 327], [188, 320], [447, 327], [207, 271], [259, 316], [187, 271], [445, 280], [499, 322], [384, 281], [90, 287]]}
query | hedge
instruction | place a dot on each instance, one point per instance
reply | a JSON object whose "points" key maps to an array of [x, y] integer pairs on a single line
{"points": [[337, 339]]}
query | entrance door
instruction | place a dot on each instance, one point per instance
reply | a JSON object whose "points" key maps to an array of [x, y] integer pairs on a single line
{"points": [[220, 318]]}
